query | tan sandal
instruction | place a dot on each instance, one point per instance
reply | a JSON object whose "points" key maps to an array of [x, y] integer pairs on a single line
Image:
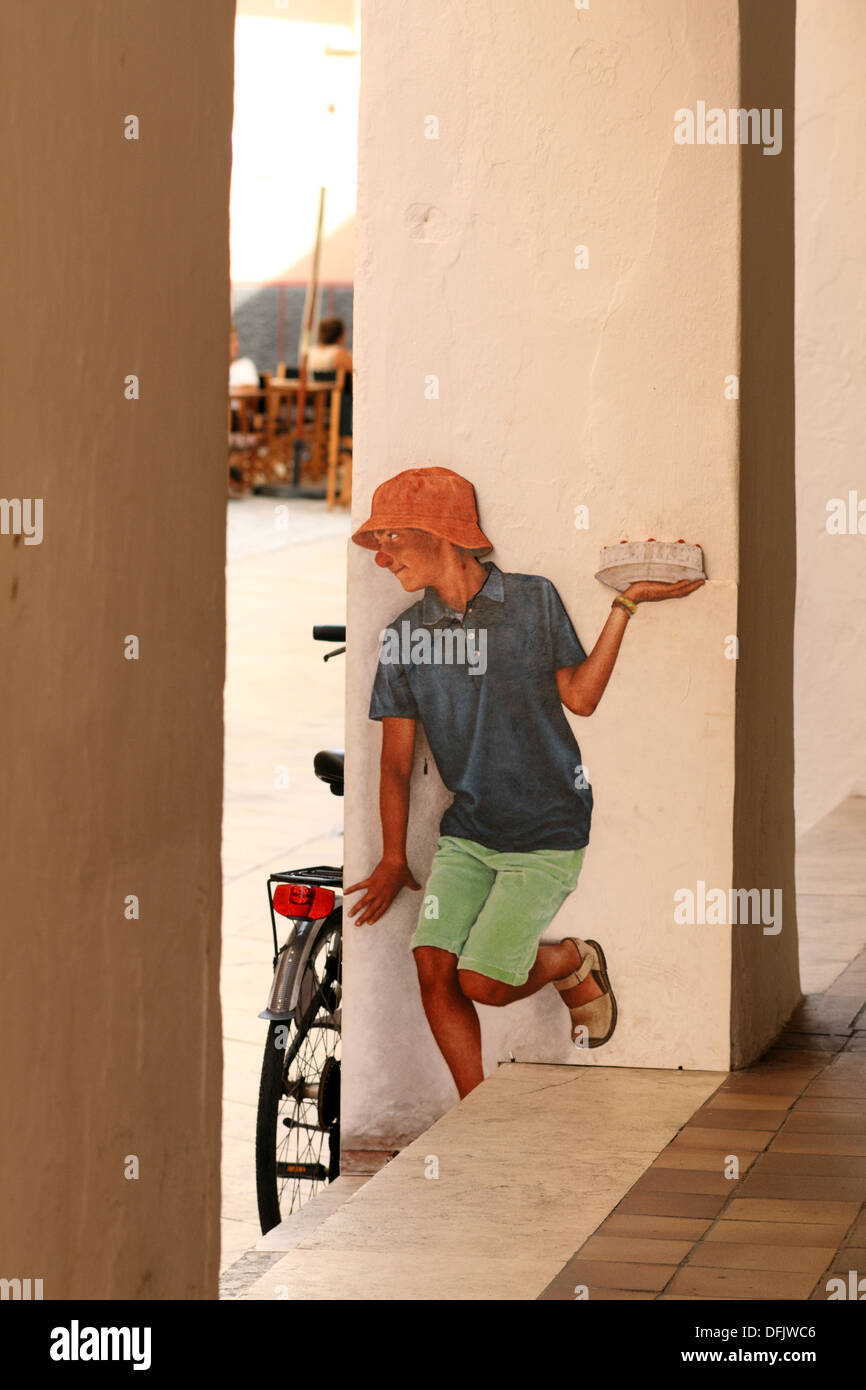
{"points": [[598, 1016]]}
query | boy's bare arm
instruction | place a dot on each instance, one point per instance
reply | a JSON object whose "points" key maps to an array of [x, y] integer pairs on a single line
{"points": [[581, 687], [392, 872]]}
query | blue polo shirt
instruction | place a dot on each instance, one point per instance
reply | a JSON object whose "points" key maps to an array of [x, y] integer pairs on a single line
{"points": [[483, 685]]}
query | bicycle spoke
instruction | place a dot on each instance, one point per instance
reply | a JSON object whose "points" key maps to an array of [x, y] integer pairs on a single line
{"points": [[303, 1141]]}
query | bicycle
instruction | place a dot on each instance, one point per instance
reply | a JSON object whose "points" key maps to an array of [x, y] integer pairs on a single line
{"points": [[298, 1116]]}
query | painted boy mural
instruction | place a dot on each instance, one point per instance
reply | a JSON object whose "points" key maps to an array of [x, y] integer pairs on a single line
{"points": [[485, 662]]}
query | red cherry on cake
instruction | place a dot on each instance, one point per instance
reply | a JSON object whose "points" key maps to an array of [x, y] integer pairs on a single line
{"points": [[650, 538]]}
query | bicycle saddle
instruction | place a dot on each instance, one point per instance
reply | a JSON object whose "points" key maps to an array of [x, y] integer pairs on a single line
{"points": [[328, 767]]}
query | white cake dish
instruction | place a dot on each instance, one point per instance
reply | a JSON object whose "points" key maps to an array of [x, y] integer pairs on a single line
{"points": [[665, 561]]}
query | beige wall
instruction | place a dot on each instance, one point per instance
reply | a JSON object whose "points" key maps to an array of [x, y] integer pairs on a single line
{"points": [[831, 402], [114, 262], [558, 387]]}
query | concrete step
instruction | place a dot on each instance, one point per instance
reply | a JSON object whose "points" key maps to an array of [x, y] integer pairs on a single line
{"points": [[495, 1197], [243, 1273]]}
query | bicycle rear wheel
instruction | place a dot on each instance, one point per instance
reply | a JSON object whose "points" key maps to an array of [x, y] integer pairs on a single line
{"points": [[298, 1123]]}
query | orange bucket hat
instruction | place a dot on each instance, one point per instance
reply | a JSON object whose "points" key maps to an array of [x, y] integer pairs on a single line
{"points": [[436, 500]]}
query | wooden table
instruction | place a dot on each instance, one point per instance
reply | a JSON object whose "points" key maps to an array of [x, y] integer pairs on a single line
{"points": [[246, 403], [242, 402], [295, 393]]}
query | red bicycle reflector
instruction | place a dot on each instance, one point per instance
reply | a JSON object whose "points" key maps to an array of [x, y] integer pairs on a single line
{"points": [[301, 900]]}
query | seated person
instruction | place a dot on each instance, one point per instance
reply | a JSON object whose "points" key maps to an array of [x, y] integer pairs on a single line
{"points": [[329, 354]]}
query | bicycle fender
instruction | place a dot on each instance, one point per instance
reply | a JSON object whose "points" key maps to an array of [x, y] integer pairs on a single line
{"points": [[291, 963]]}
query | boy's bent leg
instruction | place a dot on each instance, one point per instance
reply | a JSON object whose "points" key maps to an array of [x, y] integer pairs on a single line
{"points": [[452, 1017], [501, 960], [553, 962]]}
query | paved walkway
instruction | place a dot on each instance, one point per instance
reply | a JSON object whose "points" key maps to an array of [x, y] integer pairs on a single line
{"points": [[532, 1202], [795, 1217], [286, 570], [529, 1200]]}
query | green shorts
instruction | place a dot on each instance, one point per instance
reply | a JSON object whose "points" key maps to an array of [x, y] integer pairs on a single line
{"points": [[490, 908]]}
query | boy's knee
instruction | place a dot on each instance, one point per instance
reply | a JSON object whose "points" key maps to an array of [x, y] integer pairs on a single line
{"points": [[434, 966], [482, 990]]}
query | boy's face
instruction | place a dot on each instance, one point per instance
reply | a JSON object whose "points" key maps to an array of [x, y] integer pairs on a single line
{"points": [[415, 557]]}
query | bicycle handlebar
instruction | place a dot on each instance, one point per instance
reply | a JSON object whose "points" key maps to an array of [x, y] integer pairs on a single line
{"points": [[329, 634]]}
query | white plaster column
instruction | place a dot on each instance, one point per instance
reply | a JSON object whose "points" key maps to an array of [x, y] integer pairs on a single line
{"points": [[495, 142], [831, 406]]}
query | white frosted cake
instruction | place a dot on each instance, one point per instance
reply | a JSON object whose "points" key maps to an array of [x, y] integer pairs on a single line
{"points": [[666, 561]]}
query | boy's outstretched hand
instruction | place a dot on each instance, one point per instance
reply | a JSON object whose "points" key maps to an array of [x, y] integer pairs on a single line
{"points": [[383, 885], [648, 590]]}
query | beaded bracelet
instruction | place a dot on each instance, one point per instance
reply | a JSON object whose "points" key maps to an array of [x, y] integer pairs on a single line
{"points": [[626, 604]]}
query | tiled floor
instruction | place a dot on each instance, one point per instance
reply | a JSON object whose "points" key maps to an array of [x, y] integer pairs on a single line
{"points": [[286, 570], [793, 1213], [678, 1229]]}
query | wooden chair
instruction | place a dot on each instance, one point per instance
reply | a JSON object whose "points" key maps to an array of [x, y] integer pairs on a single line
{"points": [[246, 434], [297, 412], [339, 445]]}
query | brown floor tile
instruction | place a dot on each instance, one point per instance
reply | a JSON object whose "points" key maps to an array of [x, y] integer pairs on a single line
{"points": [[748, 1100], [786, 1209], [634, 1250], [849, 1066], [811, 1042], [799, 1187], [857, 1043], [656, 1227], [561, 1290], [831, 1105], [607, 1274], [743, 1283], [808, 1122], [795, 1142], [695, 1136], [819, 1014], [805, 1259], [823, 1165], [779, 1232], [703, 1160], [762, 1068], [838, 1088], [672, 1180], [722, 1118], [858, 1235], [789, 1074], [682, 1298], [822, 1293], [598, 1295], [786, 1053], [703, 1205], [849, 1257], [778, 1086]]}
